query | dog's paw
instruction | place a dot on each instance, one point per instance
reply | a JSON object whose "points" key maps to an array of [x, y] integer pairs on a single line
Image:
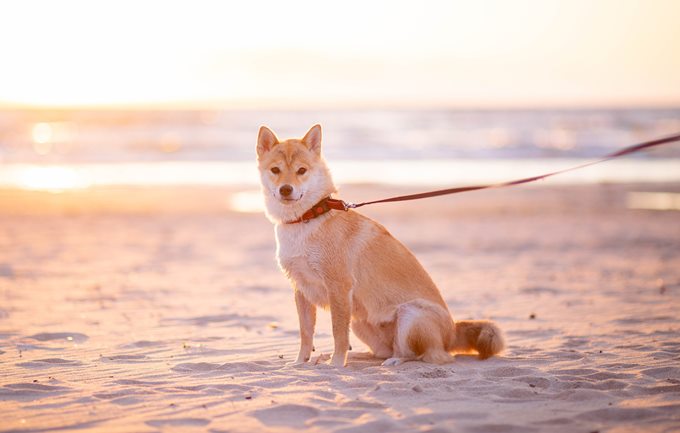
{"points": [[338, 361], [393, 362], [302, 358], [321, 359]]}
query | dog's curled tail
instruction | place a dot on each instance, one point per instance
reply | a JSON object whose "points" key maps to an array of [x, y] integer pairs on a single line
{"points": [[481, 336]]}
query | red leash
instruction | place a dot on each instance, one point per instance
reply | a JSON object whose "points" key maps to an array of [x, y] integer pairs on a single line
{"points": [[327, 204], [625, 151]]}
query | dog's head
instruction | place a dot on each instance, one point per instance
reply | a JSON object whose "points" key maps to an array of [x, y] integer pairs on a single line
{"points": [[293, 173]]}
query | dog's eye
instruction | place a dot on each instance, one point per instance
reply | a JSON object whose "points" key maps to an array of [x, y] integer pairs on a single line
{"points": [[302, 171], [275, 170]]}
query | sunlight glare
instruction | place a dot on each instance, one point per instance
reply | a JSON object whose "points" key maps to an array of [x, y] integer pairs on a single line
{"points": [[42, 133], [246, 202], [52, 179], [654, 200], [42, 138], [51, 137]]}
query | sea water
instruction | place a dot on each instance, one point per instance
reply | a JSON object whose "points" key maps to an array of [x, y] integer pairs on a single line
{"points": [[75, 149]]}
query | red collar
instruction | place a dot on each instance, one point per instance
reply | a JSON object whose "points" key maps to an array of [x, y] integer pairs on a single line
{"points": [[325, 205]]}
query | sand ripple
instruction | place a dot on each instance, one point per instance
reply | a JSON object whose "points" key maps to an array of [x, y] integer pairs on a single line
{"points": [[166, 322]]}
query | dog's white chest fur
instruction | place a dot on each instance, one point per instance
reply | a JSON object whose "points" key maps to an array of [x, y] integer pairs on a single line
{"points": [[299, 259]]}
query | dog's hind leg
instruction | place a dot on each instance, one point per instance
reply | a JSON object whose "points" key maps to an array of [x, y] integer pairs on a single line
{"points": [[377, 338], [421, 333]]}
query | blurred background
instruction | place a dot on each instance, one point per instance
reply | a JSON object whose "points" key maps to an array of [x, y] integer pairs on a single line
{"points": [[433, 92]]}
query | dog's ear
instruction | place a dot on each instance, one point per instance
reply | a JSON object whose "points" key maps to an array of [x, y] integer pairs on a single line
{"points": [[312, 139], [266, 139]]}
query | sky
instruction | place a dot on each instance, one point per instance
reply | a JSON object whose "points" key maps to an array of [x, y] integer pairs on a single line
{"points": [[284, 54]]}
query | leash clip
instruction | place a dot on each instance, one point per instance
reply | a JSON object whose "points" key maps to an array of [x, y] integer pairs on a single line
{"points": [[348, 206]]}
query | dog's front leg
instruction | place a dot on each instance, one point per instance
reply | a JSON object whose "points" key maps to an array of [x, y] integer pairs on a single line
{"points": [[341, 312], [307, 317]]}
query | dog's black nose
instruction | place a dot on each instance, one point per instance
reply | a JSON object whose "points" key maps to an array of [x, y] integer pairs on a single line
{"points": [[286, 190]]}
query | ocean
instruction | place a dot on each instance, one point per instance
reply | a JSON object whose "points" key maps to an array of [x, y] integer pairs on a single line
{"points": [[58, 149]]}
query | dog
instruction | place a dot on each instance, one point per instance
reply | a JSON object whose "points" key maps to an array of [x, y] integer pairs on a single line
{"points": [[344, 261]]}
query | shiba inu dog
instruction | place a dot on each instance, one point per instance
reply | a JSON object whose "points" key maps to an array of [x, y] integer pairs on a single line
{"points": [[346, 262]]}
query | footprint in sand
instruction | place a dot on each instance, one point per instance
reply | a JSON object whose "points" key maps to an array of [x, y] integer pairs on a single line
{"points": [[540, 290], [435, 373], [30, 391], [134, 382], [534, 381], [178, 422], [580, 395], [500, 428], [196, 367], [510, 372], [125, 359], [50, 363], [619, 414], [663, 372], [228, 319], [228, 368], [377, 426], [142, 344], [74, 337], [290, 415]]}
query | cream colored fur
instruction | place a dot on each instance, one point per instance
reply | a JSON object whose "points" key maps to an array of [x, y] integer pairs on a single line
{"points": [[350, 264]]}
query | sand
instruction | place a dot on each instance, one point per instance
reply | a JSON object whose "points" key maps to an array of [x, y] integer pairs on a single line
{"points": [[143, 310]]}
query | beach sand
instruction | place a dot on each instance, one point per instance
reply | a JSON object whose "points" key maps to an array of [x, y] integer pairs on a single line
{"points": [[142, 310]]}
